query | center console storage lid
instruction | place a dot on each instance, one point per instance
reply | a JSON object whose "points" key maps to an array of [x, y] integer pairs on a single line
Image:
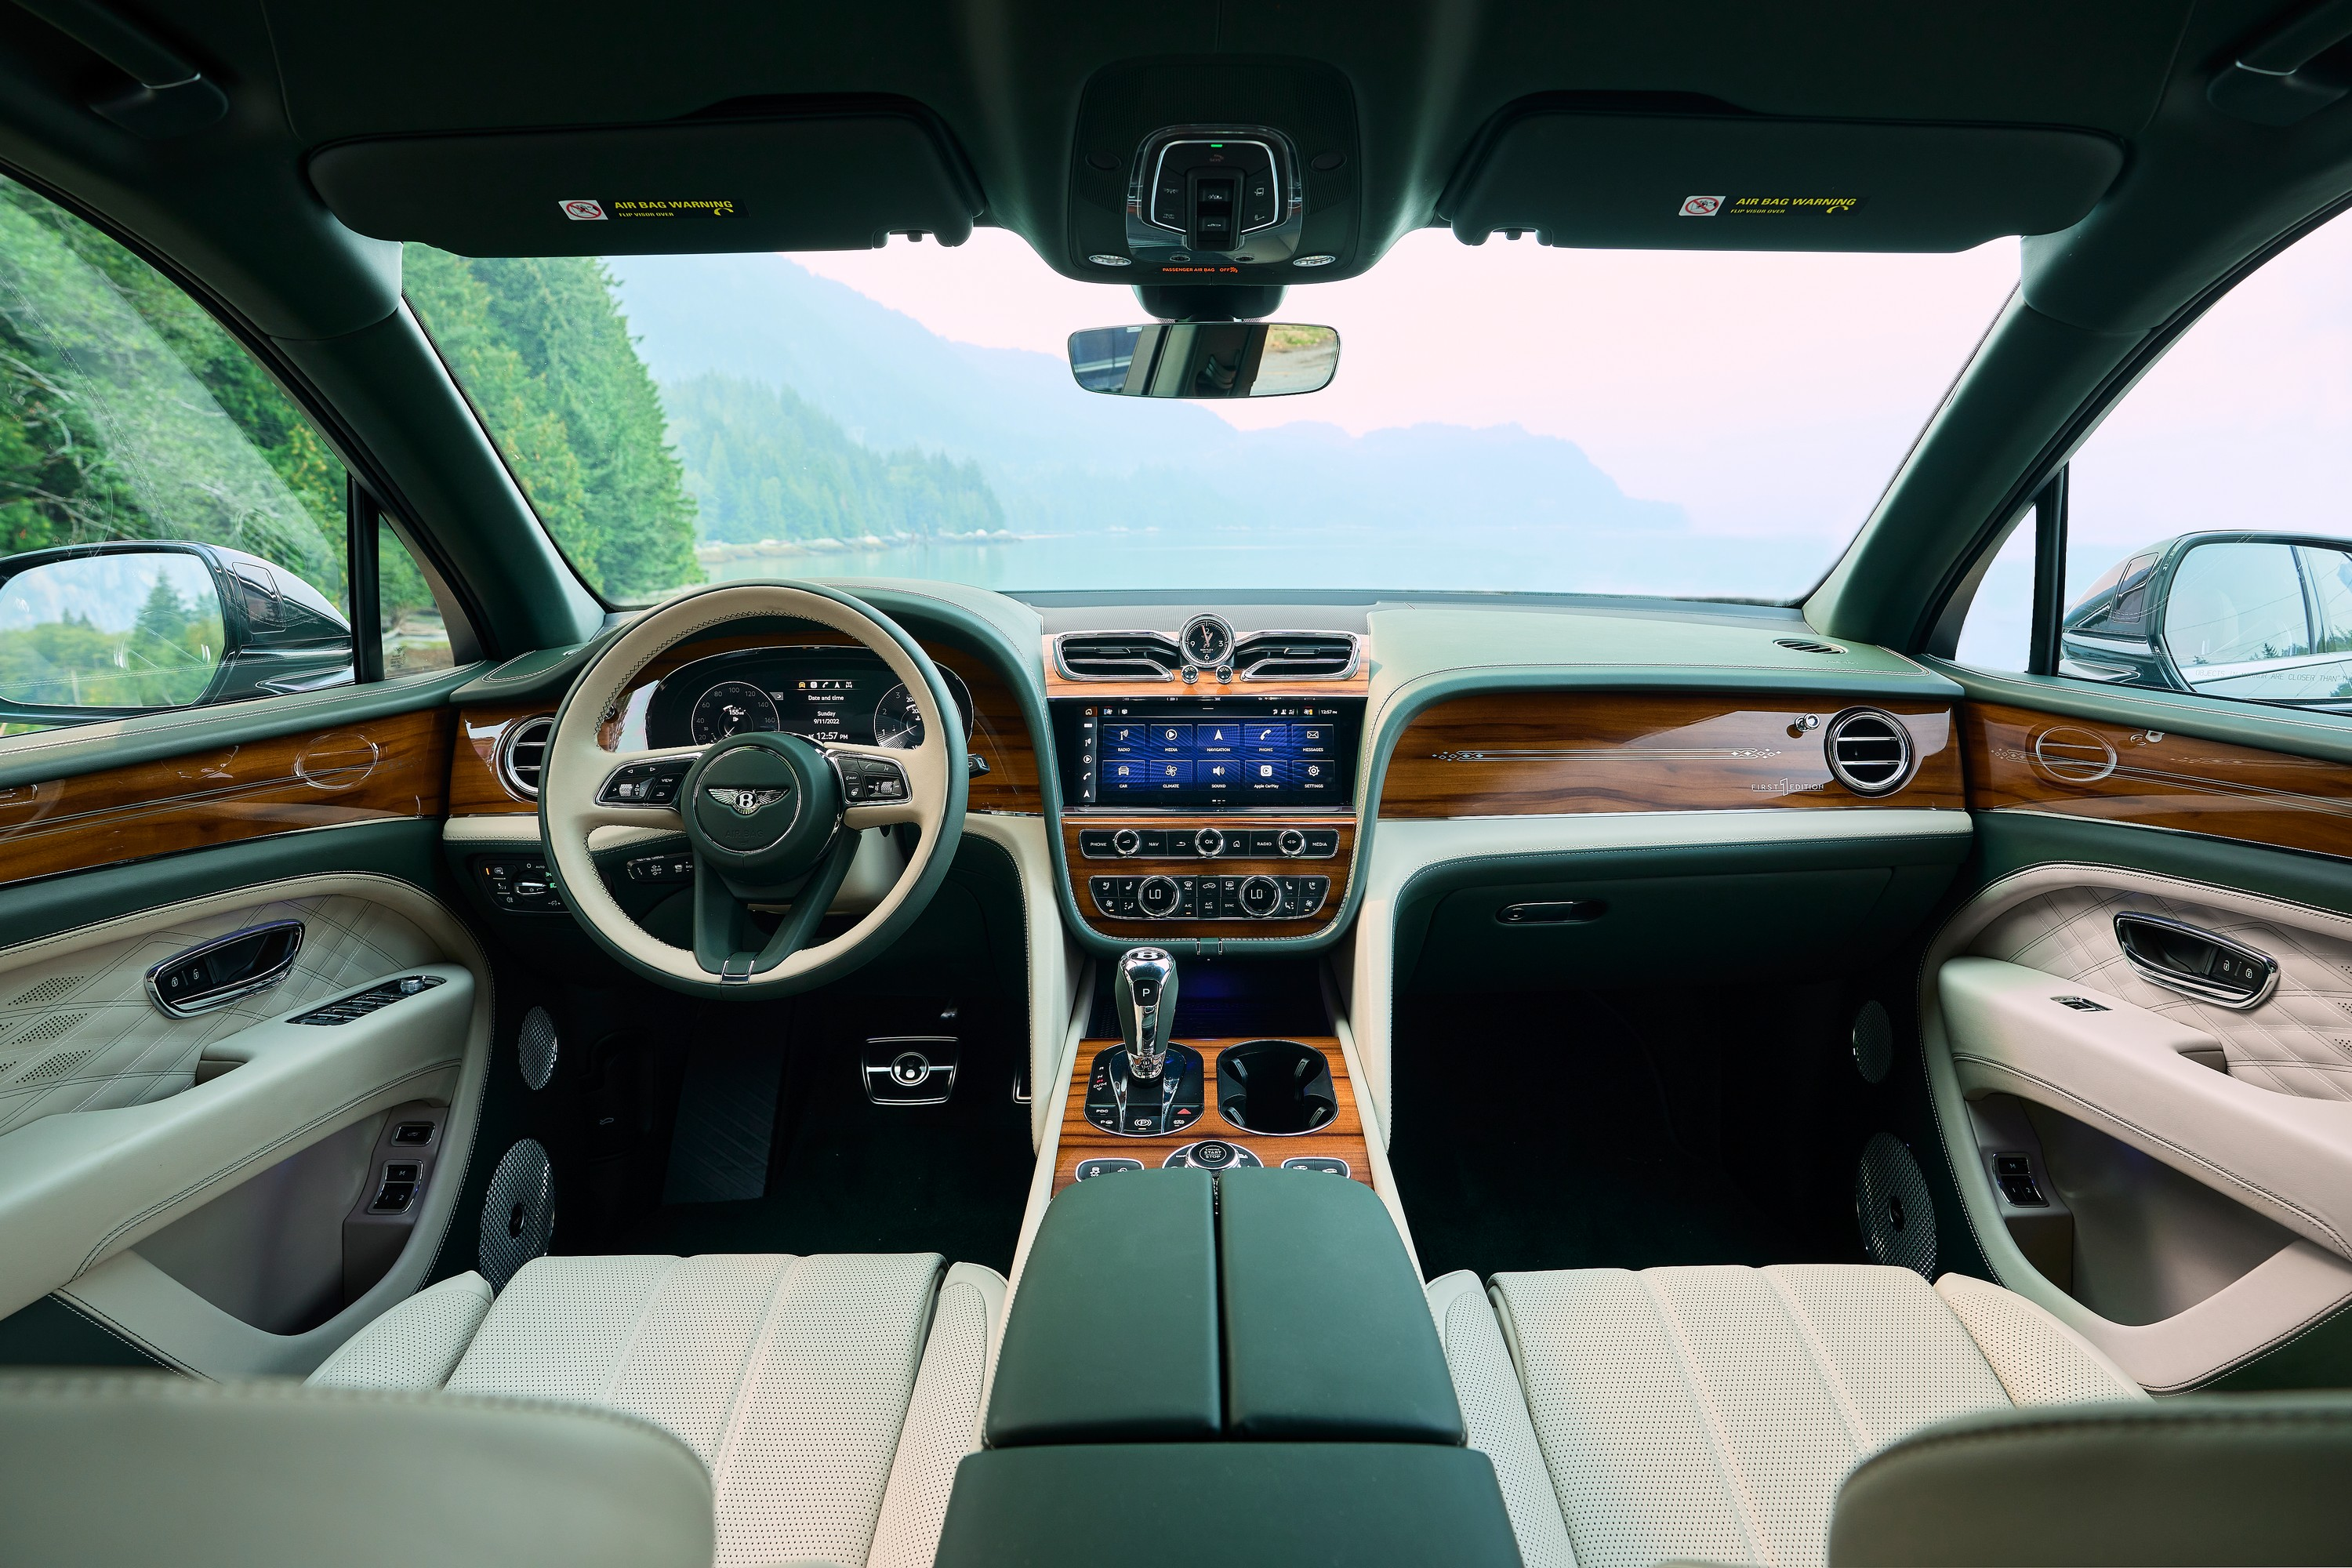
{"points": [[1112, 1336], [1328, 1335], [1236, 1505]]}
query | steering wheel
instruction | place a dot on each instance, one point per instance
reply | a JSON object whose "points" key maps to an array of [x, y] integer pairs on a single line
{"points": [[772, 818]]}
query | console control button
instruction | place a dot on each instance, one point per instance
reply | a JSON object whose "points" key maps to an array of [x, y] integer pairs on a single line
{"points": [[1260, 897], [1208, 841], [1330, 1165], [1162, 898], [1126, 841], [1159, 897], [520, 885], [1322, 842], [1211, 1154], [1290, 841], [1093, 843], [1103, 1165]]}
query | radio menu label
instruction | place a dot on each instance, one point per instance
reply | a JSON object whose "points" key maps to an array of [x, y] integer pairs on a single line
{"points": [[1280, 754]]}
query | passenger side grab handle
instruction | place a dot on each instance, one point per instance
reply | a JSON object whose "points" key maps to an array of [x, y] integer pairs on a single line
{"points": [[2132, 1074]]}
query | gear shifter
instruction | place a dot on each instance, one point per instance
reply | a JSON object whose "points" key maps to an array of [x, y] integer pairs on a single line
{"points": [[1146, 1008], [1146, 1085]]}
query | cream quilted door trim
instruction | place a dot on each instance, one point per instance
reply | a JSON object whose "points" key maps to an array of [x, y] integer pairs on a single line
{"points": [[2298, 1042], [77, 1031]]}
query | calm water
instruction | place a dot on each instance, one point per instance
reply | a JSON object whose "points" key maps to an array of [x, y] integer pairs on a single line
{"points": [[1488, 558]]}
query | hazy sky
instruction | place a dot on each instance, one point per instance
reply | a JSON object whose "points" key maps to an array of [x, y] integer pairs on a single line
{"points": [[1768, 394]]}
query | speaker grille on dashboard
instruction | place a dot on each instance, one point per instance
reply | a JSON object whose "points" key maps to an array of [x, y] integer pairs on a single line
{"points": [[518, 1213], [1890, 1202], [535, 1047], [1874, 1043]]}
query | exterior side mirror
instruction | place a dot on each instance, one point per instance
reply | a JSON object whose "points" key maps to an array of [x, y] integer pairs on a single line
{"points": [[2257, 618], [131, 626], [1206, 359]]}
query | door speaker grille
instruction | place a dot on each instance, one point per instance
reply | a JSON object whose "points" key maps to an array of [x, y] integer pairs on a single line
{"points": [[535, 1047], [518, 1213], [1892, 1205], [1874, 1043], [1869, 751]]}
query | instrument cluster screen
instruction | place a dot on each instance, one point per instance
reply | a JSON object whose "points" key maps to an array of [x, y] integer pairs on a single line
{"points": [[823, 694], [1239, 753]]}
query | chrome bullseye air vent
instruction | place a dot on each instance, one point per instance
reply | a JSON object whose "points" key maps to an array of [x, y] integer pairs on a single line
{"points": [[1806, 644], [522, 754], [1869, 751], [1116, 656], [1296, 656]]}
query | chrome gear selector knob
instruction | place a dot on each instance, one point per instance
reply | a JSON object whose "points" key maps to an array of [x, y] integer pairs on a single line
{"points": [[1146, 1008]]}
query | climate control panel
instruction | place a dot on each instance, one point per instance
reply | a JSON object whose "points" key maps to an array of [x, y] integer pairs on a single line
{"points": [[1189, 897]]}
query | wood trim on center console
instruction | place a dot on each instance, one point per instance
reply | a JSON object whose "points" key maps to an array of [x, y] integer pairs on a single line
{"points": [[1082, 1139], [1338, 867], [2023, 760], [1529, 754], [369, 770]]}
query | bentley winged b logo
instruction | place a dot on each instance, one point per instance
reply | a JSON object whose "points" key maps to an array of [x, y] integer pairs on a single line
{"points": [[746, 802]]}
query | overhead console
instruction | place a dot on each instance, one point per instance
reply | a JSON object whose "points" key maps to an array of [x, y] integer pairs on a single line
{"points": [[1207, 776]]}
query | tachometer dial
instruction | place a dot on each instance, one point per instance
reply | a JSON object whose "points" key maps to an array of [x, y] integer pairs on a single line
{"points": [[733, 708], [898, 724], [1207, 641]]}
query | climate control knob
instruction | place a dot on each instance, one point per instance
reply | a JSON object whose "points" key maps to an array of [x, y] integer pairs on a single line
{"points": [[1126, 841], [1208, 841], [1158, 897], [1290, 841], [1260, 897]]}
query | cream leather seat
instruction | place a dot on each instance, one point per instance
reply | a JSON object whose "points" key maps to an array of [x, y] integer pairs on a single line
{"points": [[1712, 1412], [829, 1397]]}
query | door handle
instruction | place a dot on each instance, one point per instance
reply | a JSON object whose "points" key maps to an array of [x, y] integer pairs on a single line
{"points": [[2181, 957]]}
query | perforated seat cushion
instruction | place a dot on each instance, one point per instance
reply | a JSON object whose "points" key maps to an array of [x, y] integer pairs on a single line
{"points": [[1712, 1414], [794, 1380]]}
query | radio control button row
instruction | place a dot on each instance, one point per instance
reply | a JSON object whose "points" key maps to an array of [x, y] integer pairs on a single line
{"points": [[1223, 844]]}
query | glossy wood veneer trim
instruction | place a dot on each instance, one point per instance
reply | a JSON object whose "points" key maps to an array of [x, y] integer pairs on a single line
{"points": [[2023, 759], [1082, 1139], [1557, 753], [374, 770]]}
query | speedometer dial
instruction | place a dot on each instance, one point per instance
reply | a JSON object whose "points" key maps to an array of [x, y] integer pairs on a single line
{"points": [[733, 708]]}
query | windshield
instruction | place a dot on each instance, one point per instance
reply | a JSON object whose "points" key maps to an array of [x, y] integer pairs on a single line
{"points": [[1504, 417]]}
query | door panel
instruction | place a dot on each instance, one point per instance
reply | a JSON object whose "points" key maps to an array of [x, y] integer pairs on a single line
{"points": [[161, 1117], [2130, 1092], [389, 766]]}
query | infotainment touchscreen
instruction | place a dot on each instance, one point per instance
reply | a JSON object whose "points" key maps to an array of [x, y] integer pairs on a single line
{"points": [[1209, 753]]}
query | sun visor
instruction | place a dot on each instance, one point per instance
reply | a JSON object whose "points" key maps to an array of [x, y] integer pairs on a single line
{"points": [[1741, 182], [811, 182]]}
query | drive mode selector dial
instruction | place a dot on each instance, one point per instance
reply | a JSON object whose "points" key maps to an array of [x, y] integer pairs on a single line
{"points": [[1157, 896], [1260, 897], [1208, 841]]}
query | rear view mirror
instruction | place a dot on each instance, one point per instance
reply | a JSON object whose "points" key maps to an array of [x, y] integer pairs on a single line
{"points": [[2262, 618], [1206, 359], [118, 630]]}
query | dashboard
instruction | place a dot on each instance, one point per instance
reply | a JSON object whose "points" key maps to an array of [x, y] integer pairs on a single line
{"points": [[823, 694]]}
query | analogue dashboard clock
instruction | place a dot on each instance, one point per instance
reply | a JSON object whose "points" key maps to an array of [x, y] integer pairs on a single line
{"points": [[1207, 641]]}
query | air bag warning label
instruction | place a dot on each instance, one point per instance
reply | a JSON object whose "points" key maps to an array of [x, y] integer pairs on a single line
{"points": [[1770, 206], [583, 210]]}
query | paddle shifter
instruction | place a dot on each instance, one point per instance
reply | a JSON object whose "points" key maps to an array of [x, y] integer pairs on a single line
{"points": [[1147, 1085], [1147, 1005]]}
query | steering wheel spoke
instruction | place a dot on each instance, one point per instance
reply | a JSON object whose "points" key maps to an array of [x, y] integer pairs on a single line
{"points": [[727, 942]]}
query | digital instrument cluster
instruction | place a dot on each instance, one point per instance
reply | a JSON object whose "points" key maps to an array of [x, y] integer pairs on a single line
{"points": [[1237, 752], [822, 694]]}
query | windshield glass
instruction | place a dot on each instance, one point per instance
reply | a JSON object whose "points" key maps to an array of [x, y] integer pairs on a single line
{"points": [[1504, 417]]}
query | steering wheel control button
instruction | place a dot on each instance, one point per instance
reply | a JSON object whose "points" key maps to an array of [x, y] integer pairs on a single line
{"points": [[645, 783], [662, 869], [1330, 1165], [1211, 1155], [1104, 1166], [869, 781], [910, 1070], [518, 884]]}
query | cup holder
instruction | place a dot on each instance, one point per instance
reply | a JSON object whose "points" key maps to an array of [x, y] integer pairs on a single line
{"points": [[1278, 1088]]}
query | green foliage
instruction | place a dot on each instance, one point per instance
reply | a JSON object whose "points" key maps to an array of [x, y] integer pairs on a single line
{"points": [[542, 350], [126, 411], [763, 464], [164, 659]]}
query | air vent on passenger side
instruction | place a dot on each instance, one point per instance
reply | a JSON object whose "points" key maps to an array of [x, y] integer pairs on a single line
{"points": [[523, 753], [1296, 656], [1806, 644], [1869, 751], [1117, 656]]}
